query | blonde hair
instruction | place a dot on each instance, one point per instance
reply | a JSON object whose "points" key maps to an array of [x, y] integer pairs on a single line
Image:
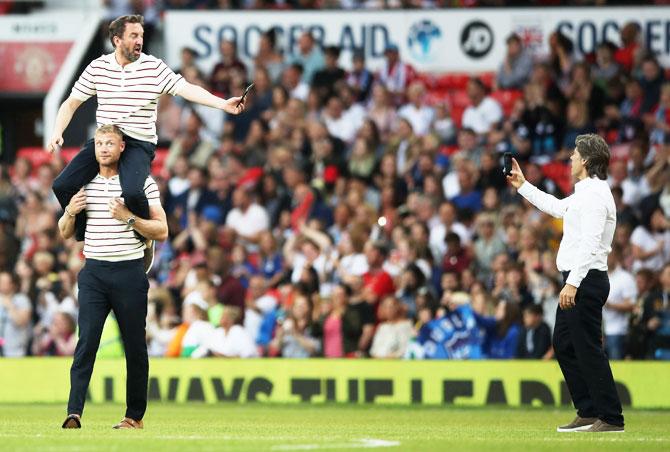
{"points": [[109, 128]]}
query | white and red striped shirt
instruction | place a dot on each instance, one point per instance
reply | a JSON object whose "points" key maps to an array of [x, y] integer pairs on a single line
{"points": [[107, 238], [128, 95]]}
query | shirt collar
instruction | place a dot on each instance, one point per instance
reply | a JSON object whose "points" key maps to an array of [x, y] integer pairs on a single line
{"points": [[100, 176], [111, 58], [584, 183]]}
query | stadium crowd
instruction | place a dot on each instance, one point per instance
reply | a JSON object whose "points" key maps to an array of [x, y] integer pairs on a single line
{"points": [[365, 214]]}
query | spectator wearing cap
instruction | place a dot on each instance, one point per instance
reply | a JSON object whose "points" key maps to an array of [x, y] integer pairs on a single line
{"points": [[360, 78], [325, 79], [394, 74], [416, 111], [515, 69], [229, 340], [309, 56], [15, 318], [484, 112], [248, 219], [535, 337]]}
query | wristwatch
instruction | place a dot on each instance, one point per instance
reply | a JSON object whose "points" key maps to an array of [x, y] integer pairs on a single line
{"points": [[131, 221]]}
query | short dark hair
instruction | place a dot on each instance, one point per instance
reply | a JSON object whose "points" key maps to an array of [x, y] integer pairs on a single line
{"points": [[513, 37], [118, 25], [595, 151], [534, 309]]}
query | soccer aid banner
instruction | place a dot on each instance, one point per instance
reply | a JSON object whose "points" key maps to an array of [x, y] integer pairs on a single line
{"points": [[398, 382], [471, 40]]}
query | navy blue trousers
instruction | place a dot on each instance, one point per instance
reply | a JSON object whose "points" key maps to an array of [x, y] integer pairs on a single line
{"points": [[122, 288], [134, 167], [578, 346]]}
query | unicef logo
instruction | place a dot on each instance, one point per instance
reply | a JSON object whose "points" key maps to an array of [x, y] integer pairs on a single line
{"points": [[476, 39], [421, 37]]}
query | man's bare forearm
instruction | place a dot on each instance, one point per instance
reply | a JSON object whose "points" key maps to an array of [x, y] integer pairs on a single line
{"points": [[151, 229], [65, 113], [200, 95], [66, 225]]}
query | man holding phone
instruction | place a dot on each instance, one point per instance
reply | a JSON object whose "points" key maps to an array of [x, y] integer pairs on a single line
{"points": [[589, 221]]}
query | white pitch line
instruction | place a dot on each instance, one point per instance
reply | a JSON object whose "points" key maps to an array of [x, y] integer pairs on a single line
{"points": [[365, 443]]}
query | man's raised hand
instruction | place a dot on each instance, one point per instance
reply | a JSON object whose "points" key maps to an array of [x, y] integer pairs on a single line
{"points": [[516, 178]]}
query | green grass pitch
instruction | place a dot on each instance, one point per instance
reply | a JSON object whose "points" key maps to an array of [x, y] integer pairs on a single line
{"points": [[265, 427]]}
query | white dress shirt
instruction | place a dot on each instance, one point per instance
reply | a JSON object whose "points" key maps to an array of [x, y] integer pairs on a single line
{"points": [[589, 220]]}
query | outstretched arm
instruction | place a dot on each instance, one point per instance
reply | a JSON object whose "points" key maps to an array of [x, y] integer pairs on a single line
{"points": [[63, 118], [200, 95], [543, 201]]}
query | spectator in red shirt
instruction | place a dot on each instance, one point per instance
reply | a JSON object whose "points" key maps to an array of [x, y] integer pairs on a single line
{"points": [[377, 283], [630, 44]]}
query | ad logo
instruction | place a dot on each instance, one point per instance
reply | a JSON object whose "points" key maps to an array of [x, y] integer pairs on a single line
{"points": [[476, 39], [421, 40]]}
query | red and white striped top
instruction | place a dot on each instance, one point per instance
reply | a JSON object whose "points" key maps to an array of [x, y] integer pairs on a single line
{"points": [[107, 238], [128, 96]]}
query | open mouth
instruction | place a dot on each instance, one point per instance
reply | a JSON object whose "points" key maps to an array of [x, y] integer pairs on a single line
{"points": [[137, 50]]}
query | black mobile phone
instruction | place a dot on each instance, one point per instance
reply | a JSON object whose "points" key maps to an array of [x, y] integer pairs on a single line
{"points": [[246, 91], [507, 163]]}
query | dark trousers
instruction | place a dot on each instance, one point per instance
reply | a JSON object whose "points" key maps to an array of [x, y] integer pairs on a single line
{"points": [[134, 167], [121, 287], [579, 350]]}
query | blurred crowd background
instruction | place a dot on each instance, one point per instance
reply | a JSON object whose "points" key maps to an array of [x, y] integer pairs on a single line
{"points": [[365, 214]]}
